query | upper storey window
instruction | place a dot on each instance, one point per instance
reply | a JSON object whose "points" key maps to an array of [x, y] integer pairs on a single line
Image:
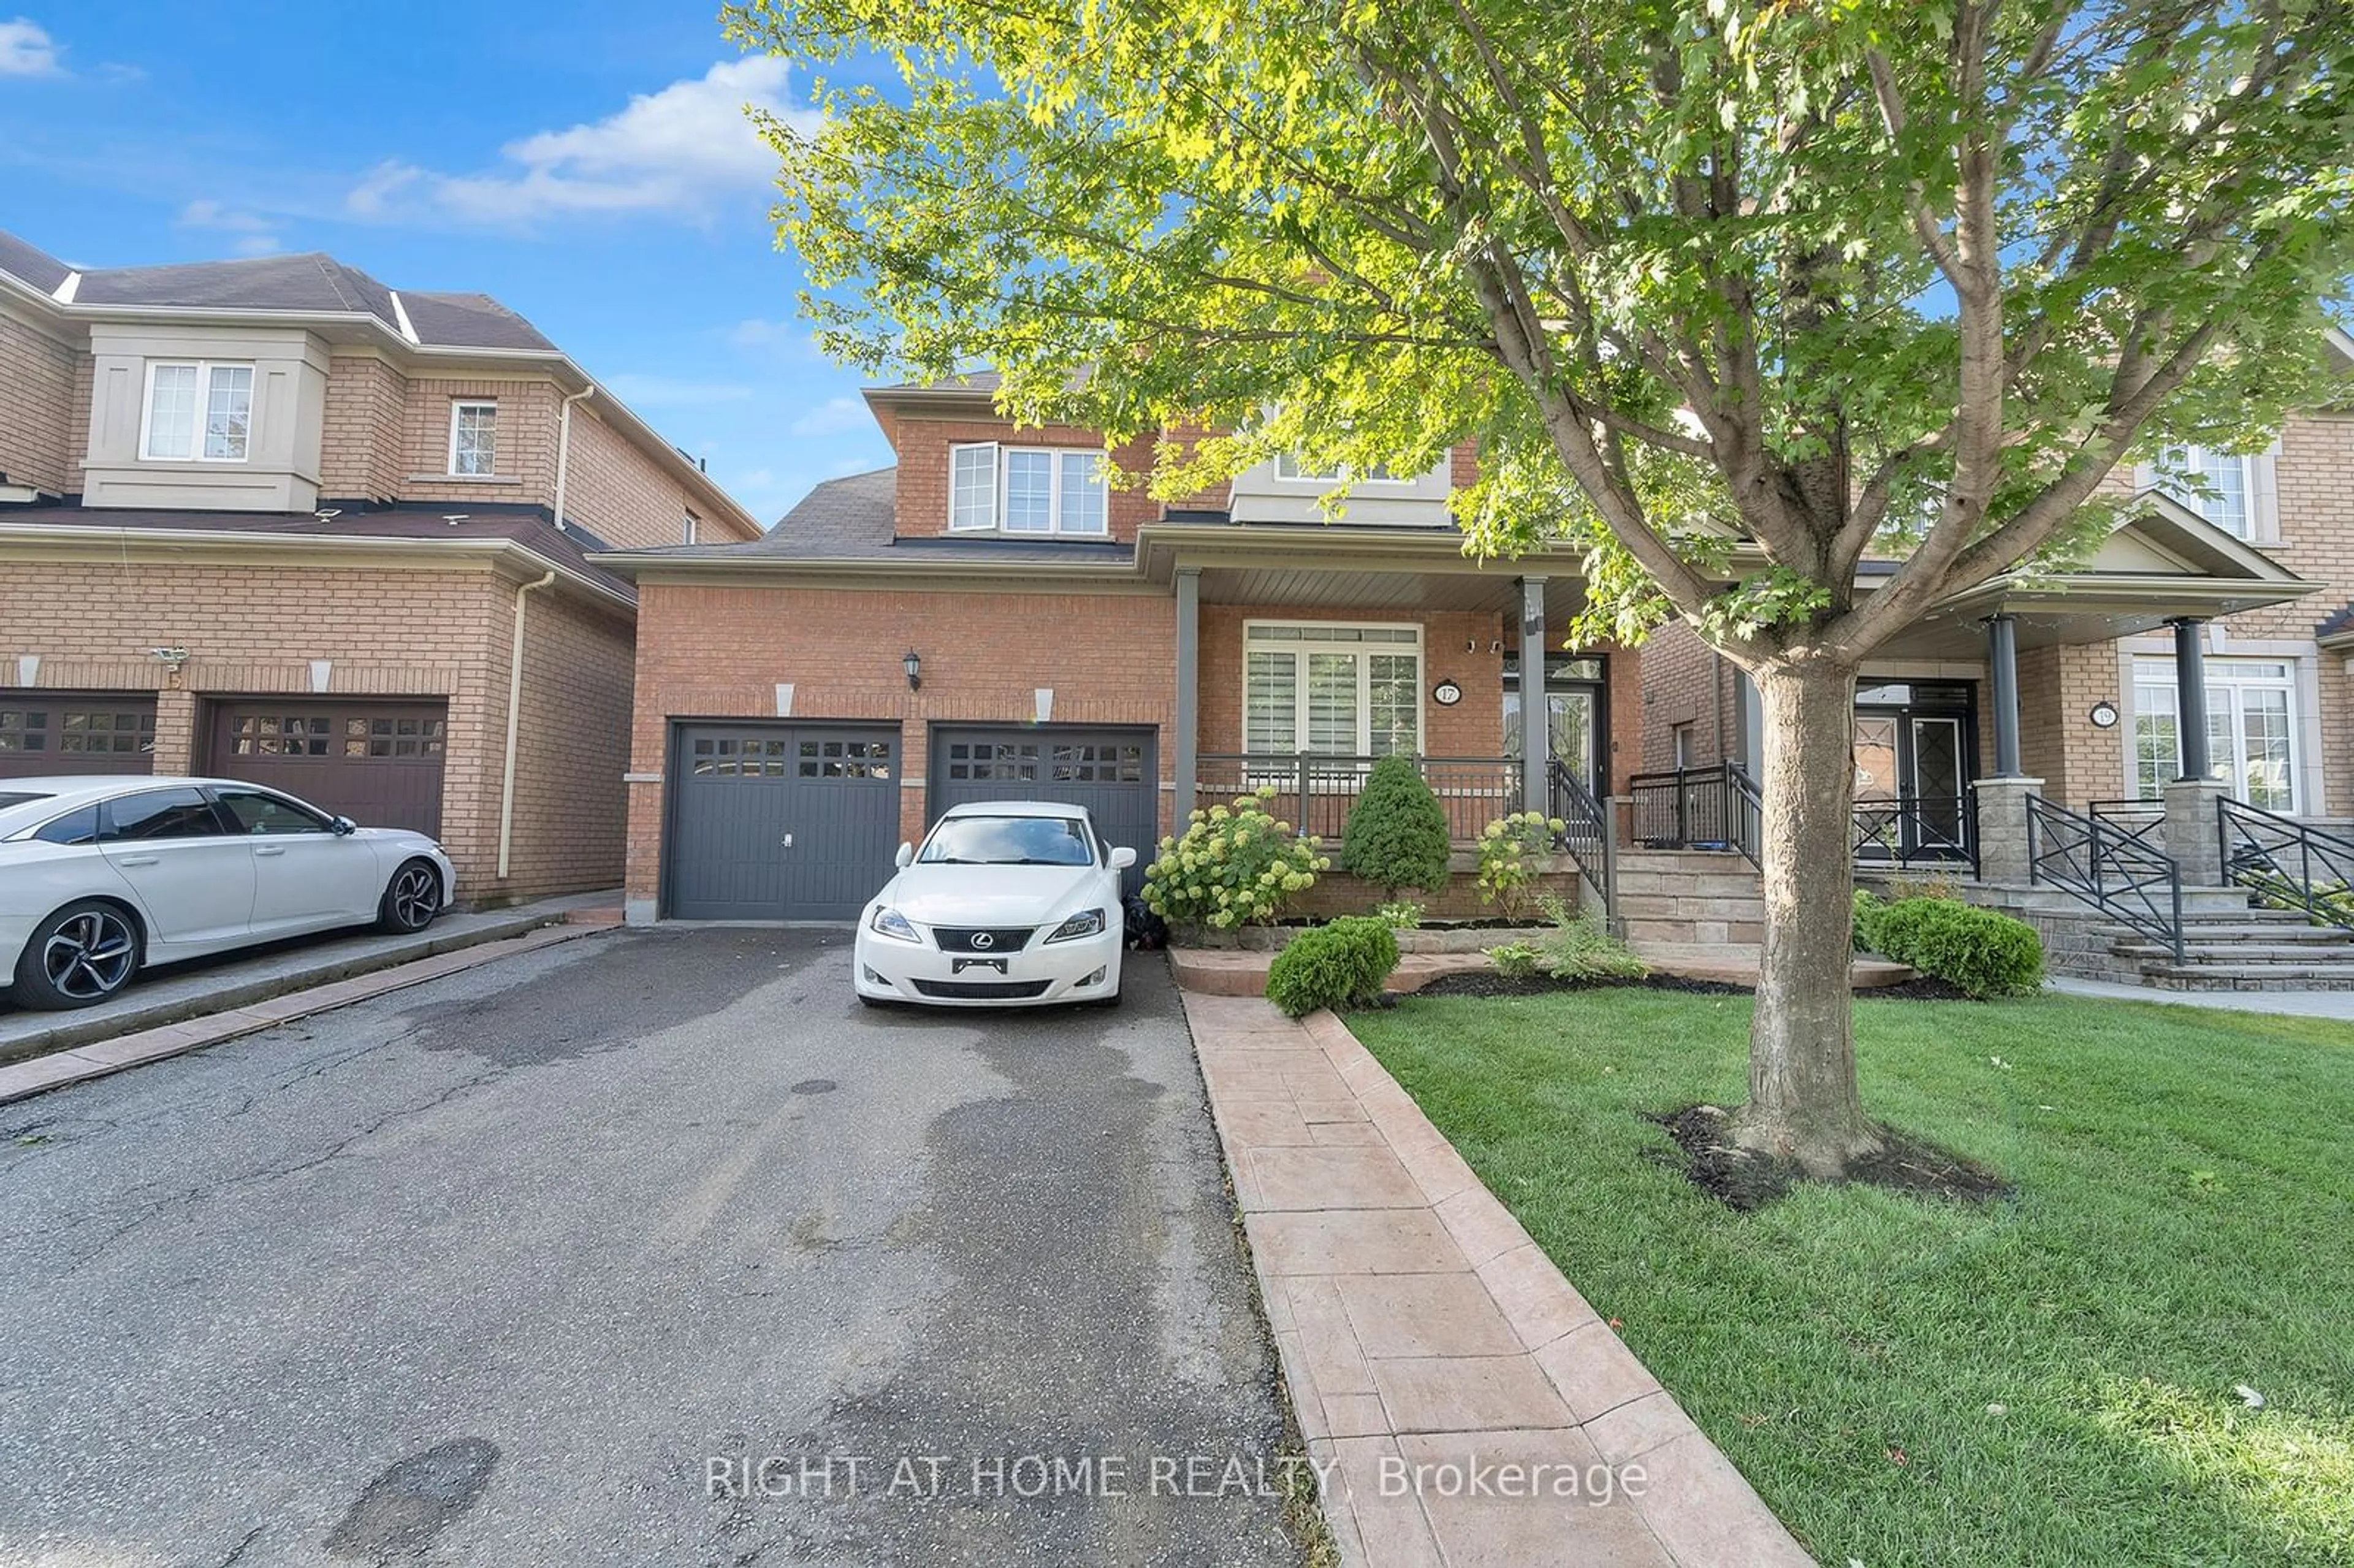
{"points": [[1291, 468], [198, 412], [2219, 487], [1025, 490], [473, 439]]}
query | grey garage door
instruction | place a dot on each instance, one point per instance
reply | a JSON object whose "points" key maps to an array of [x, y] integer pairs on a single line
{"points": [[780, 821], [76, 732], [378, 763], [1114, 773]]}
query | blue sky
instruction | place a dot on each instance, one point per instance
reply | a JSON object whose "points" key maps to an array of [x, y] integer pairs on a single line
{"points": [[588, 164]]}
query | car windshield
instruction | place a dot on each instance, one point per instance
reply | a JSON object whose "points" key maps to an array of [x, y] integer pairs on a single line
{"points": [[1009, 841]]}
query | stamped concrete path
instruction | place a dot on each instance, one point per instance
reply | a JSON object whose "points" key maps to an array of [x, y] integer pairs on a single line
{"points": [[1472, 1407]]}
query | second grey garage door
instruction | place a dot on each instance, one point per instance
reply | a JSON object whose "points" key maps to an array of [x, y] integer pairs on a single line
{"points": [[1114, 773], [376, 763], [76, 732], [780, 821]]}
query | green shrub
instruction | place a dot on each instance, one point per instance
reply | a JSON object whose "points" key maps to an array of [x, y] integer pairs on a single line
{"points": [[1866, 916], [1984, 953], [1236, 867], [1340, 965], [1397, 834], [1509, 850], [1399, 914], [1579, 948], [1514, 961]]}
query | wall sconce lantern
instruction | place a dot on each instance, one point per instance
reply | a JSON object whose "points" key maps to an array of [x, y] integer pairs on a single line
{"points": [[914, 665]]}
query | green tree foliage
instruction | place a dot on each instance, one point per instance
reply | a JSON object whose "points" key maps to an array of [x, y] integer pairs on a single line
{"points": [[1728, 291], [1396, 834]]}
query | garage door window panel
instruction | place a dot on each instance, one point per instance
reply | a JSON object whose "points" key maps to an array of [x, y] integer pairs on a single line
{"points": [[845, 759]]}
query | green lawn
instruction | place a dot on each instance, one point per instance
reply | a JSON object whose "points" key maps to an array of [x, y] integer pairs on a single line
{"points": [[2184, 1224]]}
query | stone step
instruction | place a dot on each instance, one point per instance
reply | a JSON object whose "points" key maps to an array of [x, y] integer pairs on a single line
{"points": [[2224, 934], [1684, 861], [1714, 886], [1672, 907], [1700, 933], [2241, 952], [2203, 977]]}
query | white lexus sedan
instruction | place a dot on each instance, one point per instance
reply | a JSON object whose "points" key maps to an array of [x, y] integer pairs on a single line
{"points": [[102, 876], [1008, 903]]}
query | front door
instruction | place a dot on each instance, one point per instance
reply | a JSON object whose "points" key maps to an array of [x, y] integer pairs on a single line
{"points": [[1912, 772], [1574, 716]]}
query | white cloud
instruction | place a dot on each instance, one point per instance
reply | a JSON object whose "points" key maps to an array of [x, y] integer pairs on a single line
{"points": [[255, 235], [654, 391], [670, 150], [27, 49], [835, 417]]}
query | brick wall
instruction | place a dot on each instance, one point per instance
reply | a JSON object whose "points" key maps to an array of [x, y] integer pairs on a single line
{"points": [[2078, 761], [363, 443], [38, 444], [423, 632], [1682, 677], [619, 495], [719, 651], [526, 441], [922, 485]]}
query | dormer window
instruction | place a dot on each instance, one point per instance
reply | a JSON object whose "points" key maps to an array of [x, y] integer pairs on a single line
{"points": [[996, 489], [473, 439], [198, 412]]}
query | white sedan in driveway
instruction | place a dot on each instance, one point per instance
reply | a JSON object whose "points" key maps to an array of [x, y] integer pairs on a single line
{"points": [[1008, 902], [101, 876]]}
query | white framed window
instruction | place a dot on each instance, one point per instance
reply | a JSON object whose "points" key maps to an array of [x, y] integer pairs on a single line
{"points": [[2251, 728], [1346, 691], [473, 439], [197, 411], [687, 533], [1025, 490], [1292, 470], [2219, 487]]}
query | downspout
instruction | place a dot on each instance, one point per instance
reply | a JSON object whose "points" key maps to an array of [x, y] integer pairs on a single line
{"points": [[514, 716], [564, 444]]}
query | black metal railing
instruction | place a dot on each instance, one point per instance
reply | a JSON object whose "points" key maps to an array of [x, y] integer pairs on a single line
{"points": [[2113, 871], [1697, 808], [1918, 830], [1585, 831], [2288, 864], [2143, 820], [1314, 789]]}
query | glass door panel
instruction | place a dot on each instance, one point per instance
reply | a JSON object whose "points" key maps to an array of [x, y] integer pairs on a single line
{"points": [[1936, 785]]}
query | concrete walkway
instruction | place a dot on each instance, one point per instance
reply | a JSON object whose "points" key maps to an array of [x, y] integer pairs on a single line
{"points": [[2284, 1003], [1473, 1407], [201, 987]]}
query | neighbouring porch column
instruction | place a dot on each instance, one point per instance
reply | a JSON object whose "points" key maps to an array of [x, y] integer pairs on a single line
{"points": [[2190, 833], [1188, 689], [2002, 662], [1536, 736]]}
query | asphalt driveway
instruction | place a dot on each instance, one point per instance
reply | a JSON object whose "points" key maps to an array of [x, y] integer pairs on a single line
{"points": [[649, 1249]]}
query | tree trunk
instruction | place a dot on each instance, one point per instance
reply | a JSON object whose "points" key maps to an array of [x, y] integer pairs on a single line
{"points": [[1803, 1103]]}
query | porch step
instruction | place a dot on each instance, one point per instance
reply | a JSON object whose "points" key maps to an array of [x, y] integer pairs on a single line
{"points": [[2198, 952], [2249, 977], [2223, 936]]}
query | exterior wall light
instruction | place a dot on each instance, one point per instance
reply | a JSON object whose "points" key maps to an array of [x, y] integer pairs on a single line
{"points": [[914, 665]]}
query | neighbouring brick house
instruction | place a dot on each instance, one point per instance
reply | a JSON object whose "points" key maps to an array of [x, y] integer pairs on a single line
{"points": [[2270, 538], [987, 619], [273, 520]]}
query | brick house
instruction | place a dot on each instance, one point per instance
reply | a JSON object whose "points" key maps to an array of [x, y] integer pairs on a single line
{"points": [[987, 619], [273, 520]]}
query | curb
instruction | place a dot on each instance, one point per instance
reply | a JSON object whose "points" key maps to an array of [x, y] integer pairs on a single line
{"points": [[1417, 1320], [1228, 971], [114, 1055]]}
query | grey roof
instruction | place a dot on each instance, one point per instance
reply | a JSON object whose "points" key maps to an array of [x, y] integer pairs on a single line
{"points": [[313, 282], [850, 519], [2337, 625], [963, 381], [568, 548], [38, 268], [470, 320]]}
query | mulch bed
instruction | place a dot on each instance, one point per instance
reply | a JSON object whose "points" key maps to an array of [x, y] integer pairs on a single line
{"points": [[1490, 983], [1742, 1178]]}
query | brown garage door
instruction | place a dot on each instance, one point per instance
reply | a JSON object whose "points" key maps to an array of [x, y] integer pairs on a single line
{"points": [[377, 763], [76, 732]]}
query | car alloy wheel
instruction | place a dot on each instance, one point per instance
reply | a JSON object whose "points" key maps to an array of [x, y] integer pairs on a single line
{"points": [[414, 895], [90, 955]]}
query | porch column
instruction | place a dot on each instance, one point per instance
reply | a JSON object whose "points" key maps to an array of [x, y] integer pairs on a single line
{"points": [[1536, 740], [1189, 698], [2003, 661], [2192, 837]]}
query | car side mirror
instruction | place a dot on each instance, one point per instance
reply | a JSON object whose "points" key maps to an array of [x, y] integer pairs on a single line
{"points": [[344, 827], [906, 857], [1122, 858]]}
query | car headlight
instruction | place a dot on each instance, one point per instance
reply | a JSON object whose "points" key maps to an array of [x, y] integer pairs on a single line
{"points": [[1086, 923], [890, 923]]}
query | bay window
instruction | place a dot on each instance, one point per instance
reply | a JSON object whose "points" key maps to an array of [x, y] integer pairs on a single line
{"points": [[1345, 691], [2250, 729], [198, 412], [1025, 490]]}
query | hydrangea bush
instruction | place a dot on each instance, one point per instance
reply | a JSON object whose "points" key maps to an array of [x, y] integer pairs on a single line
{"points": [[1510, 852], [1236, 866]]}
